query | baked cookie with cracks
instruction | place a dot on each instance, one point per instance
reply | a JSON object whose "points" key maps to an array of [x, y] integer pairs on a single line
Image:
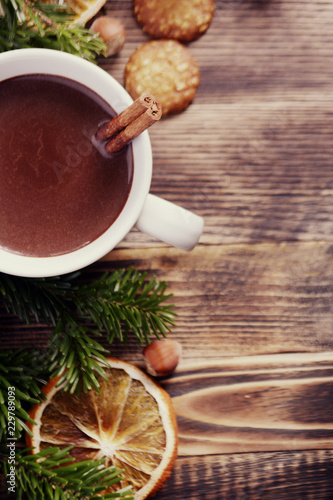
{"points": [[165, 69], [182, 20]]}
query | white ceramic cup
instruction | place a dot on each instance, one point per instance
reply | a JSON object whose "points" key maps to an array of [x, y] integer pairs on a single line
{"points": [[153, 215]]}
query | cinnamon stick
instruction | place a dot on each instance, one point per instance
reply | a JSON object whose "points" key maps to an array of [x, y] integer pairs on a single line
{"points": [[130, 123]]}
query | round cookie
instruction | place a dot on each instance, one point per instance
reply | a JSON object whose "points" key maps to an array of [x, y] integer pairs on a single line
{"points": [[165, 69], [183, 20]]}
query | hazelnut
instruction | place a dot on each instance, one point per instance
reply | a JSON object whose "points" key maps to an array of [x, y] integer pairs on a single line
{"points": [[161, 357], [112, 32]]}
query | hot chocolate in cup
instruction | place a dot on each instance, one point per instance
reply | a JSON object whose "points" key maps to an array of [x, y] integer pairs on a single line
{"points": [[138, 208]]}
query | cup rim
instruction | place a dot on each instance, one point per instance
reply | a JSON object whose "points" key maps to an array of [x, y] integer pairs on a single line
{"points": [[47, 61]]}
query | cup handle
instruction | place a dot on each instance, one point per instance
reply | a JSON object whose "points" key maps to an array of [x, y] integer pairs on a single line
{"points": [[170, 223]]}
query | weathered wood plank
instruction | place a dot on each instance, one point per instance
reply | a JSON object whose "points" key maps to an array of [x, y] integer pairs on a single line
{"points": [[252, 154], [260, 48], [258, 403], [245, 299], [256, 476], [231, 299]]}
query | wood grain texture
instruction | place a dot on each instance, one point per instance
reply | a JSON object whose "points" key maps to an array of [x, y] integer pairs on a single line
{"points": [[254, 404], [231, 300], [252, 155], [253, 476], [253, 152]]}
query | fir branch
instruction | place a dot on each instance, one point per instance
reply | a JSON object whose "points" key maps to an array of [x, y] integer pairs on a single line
{"points": [[117, 303], [123, 302], [75, 358], [21, 378], [29, 23], [42, 298], [50, 474]]}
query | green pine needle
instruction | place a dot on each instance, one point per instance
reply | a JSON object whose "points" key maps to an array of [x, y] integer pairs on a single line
{"points": [[21, 378], [27, 23], [114, 305], [75, 357], [123, 302], [53, 474]]}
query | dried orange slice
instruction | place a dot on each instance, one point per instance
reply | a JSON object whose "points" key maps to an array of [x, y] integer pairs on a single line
{"points": [[84, 9], [131, 422]]}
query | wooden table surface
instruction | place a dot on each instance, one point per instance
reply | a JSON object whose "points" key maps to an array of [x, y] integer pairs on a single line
{"points": [[252, 154]]}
